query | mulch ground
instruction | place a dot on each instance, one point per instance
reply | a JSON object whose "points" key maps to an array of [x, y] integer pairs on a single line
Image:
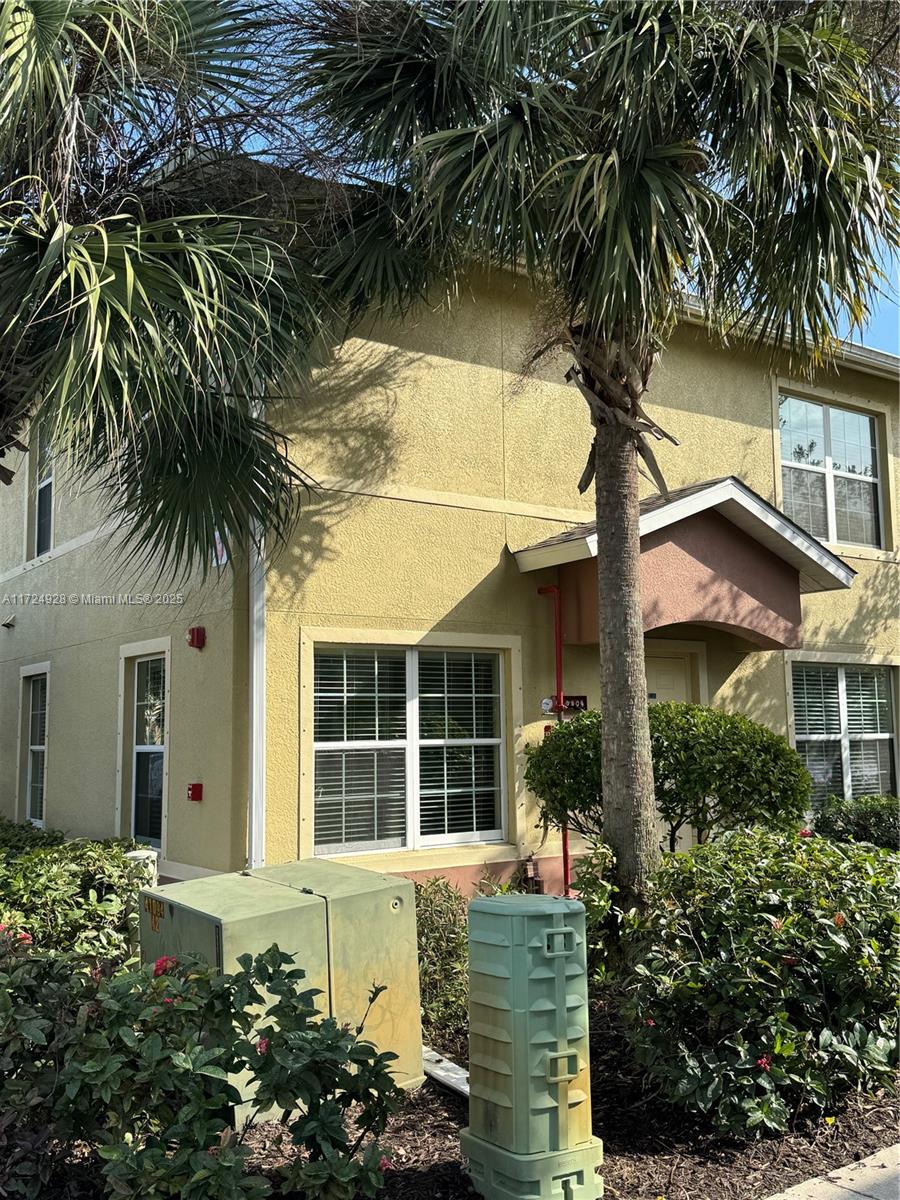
{"points": [[652, 1152], [650, 1149]]}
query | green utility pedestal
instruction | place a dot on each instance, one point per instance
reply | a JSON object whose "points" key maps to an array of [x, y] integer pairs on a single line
{"points": [[348, 928], [529, 1131]]}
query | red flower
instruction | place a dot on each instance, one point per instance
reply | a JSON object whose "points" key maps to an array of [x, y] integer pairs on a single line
{"points": [[806, 833], [26, 939], [839, 919], [164, 965], [778, 923], [649, 1022], [765, 1062], [384, 1163], [168, 1000], [262, 1046]]}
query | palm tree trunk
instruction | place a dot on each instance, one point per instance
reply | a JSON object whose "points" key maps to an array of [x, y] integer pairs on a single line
{"points": [[629, 807]]}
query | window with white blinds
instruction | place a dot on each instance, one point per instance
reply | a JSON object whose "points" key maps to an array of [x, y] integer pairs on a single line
{"points": [[830, 472], [844, 728], [407, 748]]}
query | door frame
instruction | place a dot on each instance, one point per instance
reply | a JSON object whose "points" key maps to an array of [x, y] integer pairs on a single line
{"points": [[129, 655], [694, 651]]}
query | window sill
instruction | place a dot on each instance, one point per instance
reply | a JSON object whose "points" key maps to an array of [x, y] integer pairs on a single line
{"points": [[464, 855]]}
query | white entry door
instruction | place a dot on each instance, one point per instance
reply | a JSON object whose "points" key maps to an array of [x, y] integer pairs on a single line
{"points": [[668, 679]]}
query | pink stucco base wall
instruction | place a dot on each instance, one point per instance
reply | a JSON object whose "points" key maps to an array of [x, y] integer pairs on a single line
{"points": [[702, 571], [548, 875]]}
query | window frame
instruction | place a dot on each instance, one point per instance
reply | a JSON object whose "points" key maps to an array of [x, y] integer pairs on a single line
{"points": [[27, 675], [879, 480], [411, 745], [143, 748], [844, 738], [40, 484]]}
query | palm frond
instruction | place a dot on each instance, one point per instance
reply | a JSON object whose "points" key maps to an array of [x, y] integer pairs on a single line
{"points": [[129, 336]]}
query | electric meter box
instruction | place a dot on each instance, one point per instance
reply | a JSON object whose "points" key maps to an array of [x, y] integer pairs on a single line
{"points": [[348, 929], [529, 1130]]}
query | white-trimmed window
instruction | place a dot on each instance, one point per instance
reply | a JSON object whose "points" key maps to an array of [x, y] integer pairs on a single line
{"points": [[844, 728], [43, 499], [408, 748], [149, 760], [35, 746], [830, 472]]}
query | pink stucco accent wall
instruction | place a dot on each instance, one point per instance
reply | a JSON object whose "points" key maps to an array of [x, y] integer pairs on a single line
{"points": [[701, 571]]}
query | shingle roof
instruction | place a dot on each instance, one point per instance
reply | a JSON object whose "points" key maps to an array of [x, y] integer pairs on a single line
{"points": [[648, 505]]}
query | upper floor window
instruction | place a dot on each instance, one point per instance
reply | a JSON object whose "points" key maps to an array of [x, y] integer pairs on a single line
{"points": [[407, 748], [42, 537], [829, 471], [844, 728]]}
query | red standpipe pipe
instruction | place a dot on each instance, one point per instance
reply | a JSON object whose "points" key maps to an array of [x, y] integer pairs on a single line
{"points": [[559, 704]]}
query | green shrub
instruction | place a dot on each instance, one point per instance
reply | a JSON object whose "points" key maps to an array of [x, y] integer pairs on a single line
{"points": [[593, 886], [712, 770], [79, 896], [139, 1067], [18, 837], [873, 819], [766, 976], [442, 923]]}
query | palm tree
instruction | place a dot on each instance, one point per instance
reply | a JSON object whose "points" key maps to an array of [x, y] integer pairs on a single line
{"points": [[148, 298], [628, 157]]}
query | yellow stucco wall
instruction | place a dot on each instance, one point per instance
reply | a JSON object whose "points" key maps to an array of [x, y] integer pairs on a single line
{"points": [[436, 462], [89, 722]]}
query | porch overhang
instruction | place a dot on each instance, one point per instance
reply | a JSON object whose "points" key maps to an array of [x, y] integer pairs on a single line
{"points": [[714, 554]]}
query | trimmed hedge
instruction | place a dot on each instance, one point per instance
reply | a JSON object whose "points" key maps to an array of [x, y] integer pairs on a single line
{"points": [[713, 770]]}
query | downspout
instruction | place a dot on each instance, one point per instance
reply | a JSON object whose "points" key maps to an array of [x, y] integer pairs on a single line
{"points": [[256, 803], [559, 705]]}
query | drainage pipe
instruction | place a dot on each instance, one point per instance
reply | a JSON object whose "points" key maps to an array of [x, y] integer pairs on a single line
{"points": [[559, 705]]}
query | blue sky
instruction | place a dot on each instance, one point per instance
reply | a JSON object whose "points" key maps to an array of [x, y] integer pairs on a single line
{"points": [[883, 331]]}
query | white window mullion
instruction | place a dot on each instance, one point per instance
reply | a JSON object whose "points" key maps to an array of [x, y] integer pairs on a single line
{"points": [[845, 734], [829, 479], [412, 750]]}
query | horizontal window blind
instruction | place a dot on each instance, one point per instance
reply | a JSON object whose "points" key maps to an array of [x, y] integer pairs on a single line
{"points": [[844, 728], [407, 748]]}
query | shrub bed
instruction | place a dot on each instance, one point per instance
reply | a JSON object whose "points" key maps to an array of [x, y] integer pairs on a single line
{"points": [[19, 837], [140, 1067], [766, 977], [78, 897], [873, 819], [713, 770]]}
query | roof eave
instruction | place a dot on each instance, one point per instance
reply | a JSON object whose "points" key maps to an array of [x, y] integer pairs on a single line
{"points": [[819, 569]]}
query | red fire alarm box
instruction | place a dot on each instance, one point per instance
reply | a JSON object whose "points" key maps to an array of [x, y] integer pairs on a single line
{"points": [[195, 792], [196, 637]]}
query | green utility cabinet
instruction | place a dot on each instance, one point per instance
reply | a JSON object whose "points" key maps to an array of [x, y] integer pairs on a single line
{"points": [[529, 1132], [347, 927]]}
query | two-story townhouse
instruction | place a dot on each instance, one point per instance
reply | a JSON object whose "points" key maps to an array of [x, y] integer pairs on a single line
{"points": [[369, 695]]}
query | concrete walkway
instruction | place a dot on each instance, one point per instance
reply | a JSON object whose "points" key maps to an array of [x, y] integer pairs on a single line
{"points": [[875, 1178]]}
